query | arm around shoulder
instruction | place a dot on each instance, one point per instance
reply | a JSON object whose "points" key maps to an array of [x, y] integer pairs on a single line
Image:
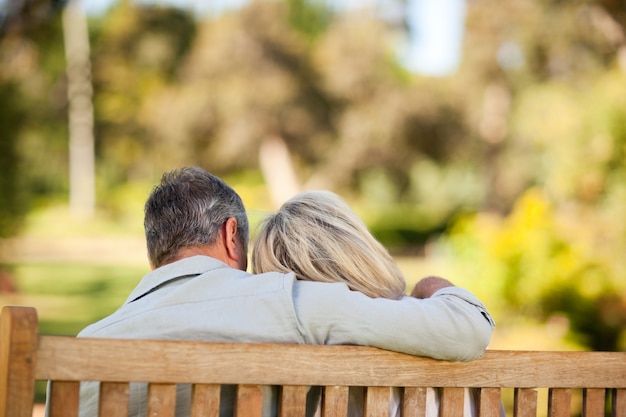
{"points": [[463, 321], [426, 287], [450, 325], [461, 315]]}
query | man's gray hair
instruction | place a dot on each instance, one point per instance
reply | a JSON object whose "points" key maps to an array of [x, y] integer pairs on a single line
{"points": [[188, 208]]}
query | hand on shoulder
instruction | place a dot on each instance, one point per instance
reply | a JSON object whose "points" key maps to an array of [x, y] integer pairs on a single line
{"points": [[426, 287]]}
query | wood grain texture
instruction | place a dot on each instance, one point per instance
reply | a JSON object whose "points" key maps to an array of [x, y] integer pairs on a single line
{"points": [[559, 402], [162, 400], [113, 399], [64, 399], [414, 402], [18, 341], [231, 363], [249, 401], [377, 402], [451, 402], [594, 402], [292, 401], [205, 400], [489, 402], [525, 402], [335, 401]]}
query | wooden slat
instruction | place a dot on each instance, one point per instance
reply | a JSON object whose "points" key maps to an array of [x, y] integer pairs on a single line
{"points": [[377, 402], [593, 402], [525, 402], [18, 340], [113, 399], [249, 401], [64, 398], [335, 401], [559, 402], [201, 362], [414, 402], [489, 402], [618, 398], [162, 400], [292, 401], [452, 400], [205, 400]]}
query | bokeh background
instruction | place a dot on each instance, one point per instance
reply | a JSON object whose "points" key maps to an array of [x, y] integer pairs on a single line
{"points": [[480, 140]]}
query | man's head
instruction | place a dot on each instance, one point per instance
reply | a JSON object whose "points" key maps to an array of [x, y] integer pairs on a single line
{"points": [[191, 208]]}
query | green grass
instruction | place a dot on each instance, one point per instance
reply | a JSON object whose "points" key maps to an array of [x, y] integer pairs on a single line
{"points": [[70, 296]]}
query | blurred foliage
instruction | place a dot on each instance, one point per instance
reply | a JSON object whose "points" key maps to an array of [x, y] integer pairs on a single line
{"points": [[311, 19], [32, 113], [512, 171], [11, 211], [66, 304], [136, 53], [25, 16], [540, 262], [64, 296]]}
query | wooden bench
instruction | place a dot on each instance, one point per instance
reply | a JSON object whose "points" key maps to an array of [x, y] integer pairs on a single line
{"points": [[587, 383]]}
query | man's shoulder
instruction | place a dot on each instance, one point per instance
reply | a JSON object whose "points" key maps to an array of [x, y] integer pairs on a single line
{"points": [[191, 288]]}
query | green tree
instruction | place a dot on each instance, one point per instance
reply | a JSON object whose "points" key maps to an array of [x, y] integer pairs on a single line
{"points": [[345, 109], [136, 52], [14, 206], [31, 105], [550, 246], [246, 79]]}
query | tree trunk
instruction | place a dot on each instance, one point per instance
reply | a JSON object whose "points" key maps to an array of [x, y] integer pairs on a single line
{"points": [[81, 139], [277, 169]]}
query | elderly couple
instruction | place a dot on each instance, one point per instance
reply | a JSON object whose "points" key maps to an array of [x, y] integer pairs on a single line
{"points": [[318, 277]]}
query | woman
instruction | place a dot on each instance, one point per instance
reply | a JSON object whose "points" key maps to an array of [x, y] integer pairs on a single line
{"points": [[319, 237]]}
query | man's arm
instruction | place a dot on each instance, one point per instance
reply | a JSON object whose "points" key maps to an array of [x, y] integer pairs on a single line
{"points": [[451, 324]]}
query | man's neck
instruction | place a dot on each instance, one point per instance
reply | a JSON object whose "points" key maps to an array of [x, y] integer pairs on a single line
{"points": [[200, 250]]}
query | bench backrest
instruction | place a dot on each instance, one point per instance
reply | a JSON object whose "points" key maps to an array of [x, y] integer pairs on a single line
{"points": [[597, 379]]}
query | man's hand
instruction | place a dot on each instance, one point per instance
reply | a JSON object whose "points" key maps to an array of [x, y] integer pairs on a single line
{"points": [[426, 287]]}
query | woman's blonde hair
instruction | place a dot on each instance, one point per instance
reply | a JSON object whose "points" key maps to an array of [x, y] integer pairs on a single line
{"points": [[317, 235]]}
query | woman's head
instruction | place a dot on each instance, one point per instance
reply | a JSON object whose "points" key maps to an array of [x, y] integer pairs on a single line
{"points": [[318, 236]]}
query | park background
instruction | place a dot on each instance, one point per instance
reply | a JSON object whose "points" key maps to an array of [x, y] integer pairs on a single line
{"points": [[504, 171]]}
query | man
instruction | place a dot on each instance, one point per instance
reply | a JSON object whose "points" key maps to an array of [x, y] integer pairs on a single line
{"points": [[197, 236]]}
